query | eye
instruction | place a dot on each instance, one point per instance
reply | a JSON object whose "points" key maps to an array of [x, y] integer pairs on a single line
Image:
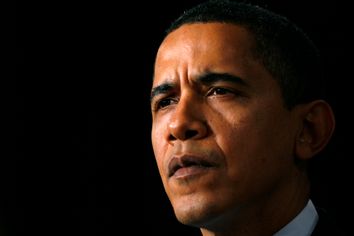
{"points": [[219, 91], [163, 103]]}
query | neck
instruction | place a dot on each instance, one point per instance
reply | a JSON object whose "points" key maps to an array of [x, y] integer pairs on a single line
{"points": [[264, 216]]}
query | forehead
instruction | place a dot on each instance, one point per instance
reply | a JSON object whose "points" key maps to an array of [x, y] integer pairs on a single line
{"points": [[202, 47], [207, 38], [211, 34]]}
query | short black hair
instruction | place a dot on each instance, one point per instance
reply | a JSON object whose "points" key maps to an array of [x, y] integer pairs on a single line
{"points": [[281, 46]]}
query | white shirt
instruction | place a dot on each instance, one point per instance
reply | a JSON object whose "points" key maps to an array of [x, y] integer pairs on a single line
{"points": [[303, 224]]}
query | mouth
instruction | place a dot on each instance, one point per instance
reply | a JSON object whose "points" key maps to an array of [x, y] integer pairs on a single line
{"points": [[188, 165]]}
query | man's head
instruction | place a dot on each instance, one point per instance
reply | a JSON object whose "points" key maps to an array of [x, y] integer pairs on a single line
{"points": [[227, 146]]}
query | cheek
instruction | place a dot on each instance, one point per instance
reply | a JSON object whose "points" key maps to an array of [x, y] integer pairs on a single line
{"points": [[232, 135], [232, 132], [159, 145], [253, 142]]}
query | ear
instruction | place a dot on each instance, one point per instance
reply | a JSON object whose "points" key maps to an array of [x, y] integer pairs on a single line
{"points": [[317, 126]]}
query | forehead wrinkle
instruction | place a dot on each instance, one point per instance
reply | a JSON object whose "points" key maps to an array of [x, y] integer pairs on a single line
{"points": [[184, 51]]}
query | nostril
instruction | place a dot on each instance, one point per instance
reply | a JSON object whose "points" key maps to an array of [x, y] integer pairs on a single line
{"points": [[187, 135], [171, 137], [190, 134]]}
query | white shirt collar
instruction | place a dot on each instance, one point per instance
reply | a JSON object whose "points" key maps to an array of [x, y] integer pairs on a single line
{"points": [[303, 224]]}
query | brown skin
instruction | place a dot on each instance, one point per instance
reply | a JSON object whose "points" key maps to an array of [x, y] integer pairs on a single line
{"points": [[242, 129]]}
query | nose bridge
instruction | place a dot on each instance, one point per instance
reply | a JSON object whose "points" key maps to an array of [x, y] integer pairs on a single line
{"points": [[186, 107], [188, 119]]}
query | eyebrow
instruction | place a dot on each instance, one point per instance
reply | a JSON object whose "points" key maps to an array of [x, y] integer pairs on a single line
{"points": [[161, 89], [211, 78], [205, 79]]}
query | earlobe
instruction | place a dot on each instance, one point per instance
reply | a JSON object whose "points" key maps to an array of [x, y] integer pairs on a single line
{"points": [[317, 128]]}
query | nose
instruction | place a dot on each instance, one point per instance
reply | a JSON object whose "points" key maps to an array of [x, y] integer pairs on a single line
{"points": [[187, 122]]}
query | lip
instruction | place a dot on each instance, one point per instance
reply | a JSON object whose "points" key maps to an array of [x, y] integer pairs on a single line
{"points": [[187, 165]]}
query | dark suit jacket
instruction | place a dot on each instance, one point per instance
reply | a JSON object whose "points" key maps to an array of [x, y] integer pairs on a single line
{"points": [[327, 225]]}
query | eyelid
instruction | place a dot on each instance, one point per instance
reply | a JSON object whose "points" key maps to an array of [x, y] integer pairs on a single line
{"points": [[228, 92], [156, 102], [214, 88]]}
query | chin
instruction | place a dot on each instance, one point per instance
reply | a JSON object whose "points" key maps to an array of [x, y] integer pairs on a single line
{"points": [[192, 217], [194, 212]]}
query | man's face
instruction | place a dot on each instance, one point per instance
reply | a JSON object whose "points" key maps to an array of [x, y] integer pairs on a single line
{"points": [[222, 137]]}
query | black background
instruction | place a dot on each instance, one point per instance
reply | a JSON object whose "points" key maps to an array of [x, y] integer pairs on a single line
{"points": [[83, 163]]}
